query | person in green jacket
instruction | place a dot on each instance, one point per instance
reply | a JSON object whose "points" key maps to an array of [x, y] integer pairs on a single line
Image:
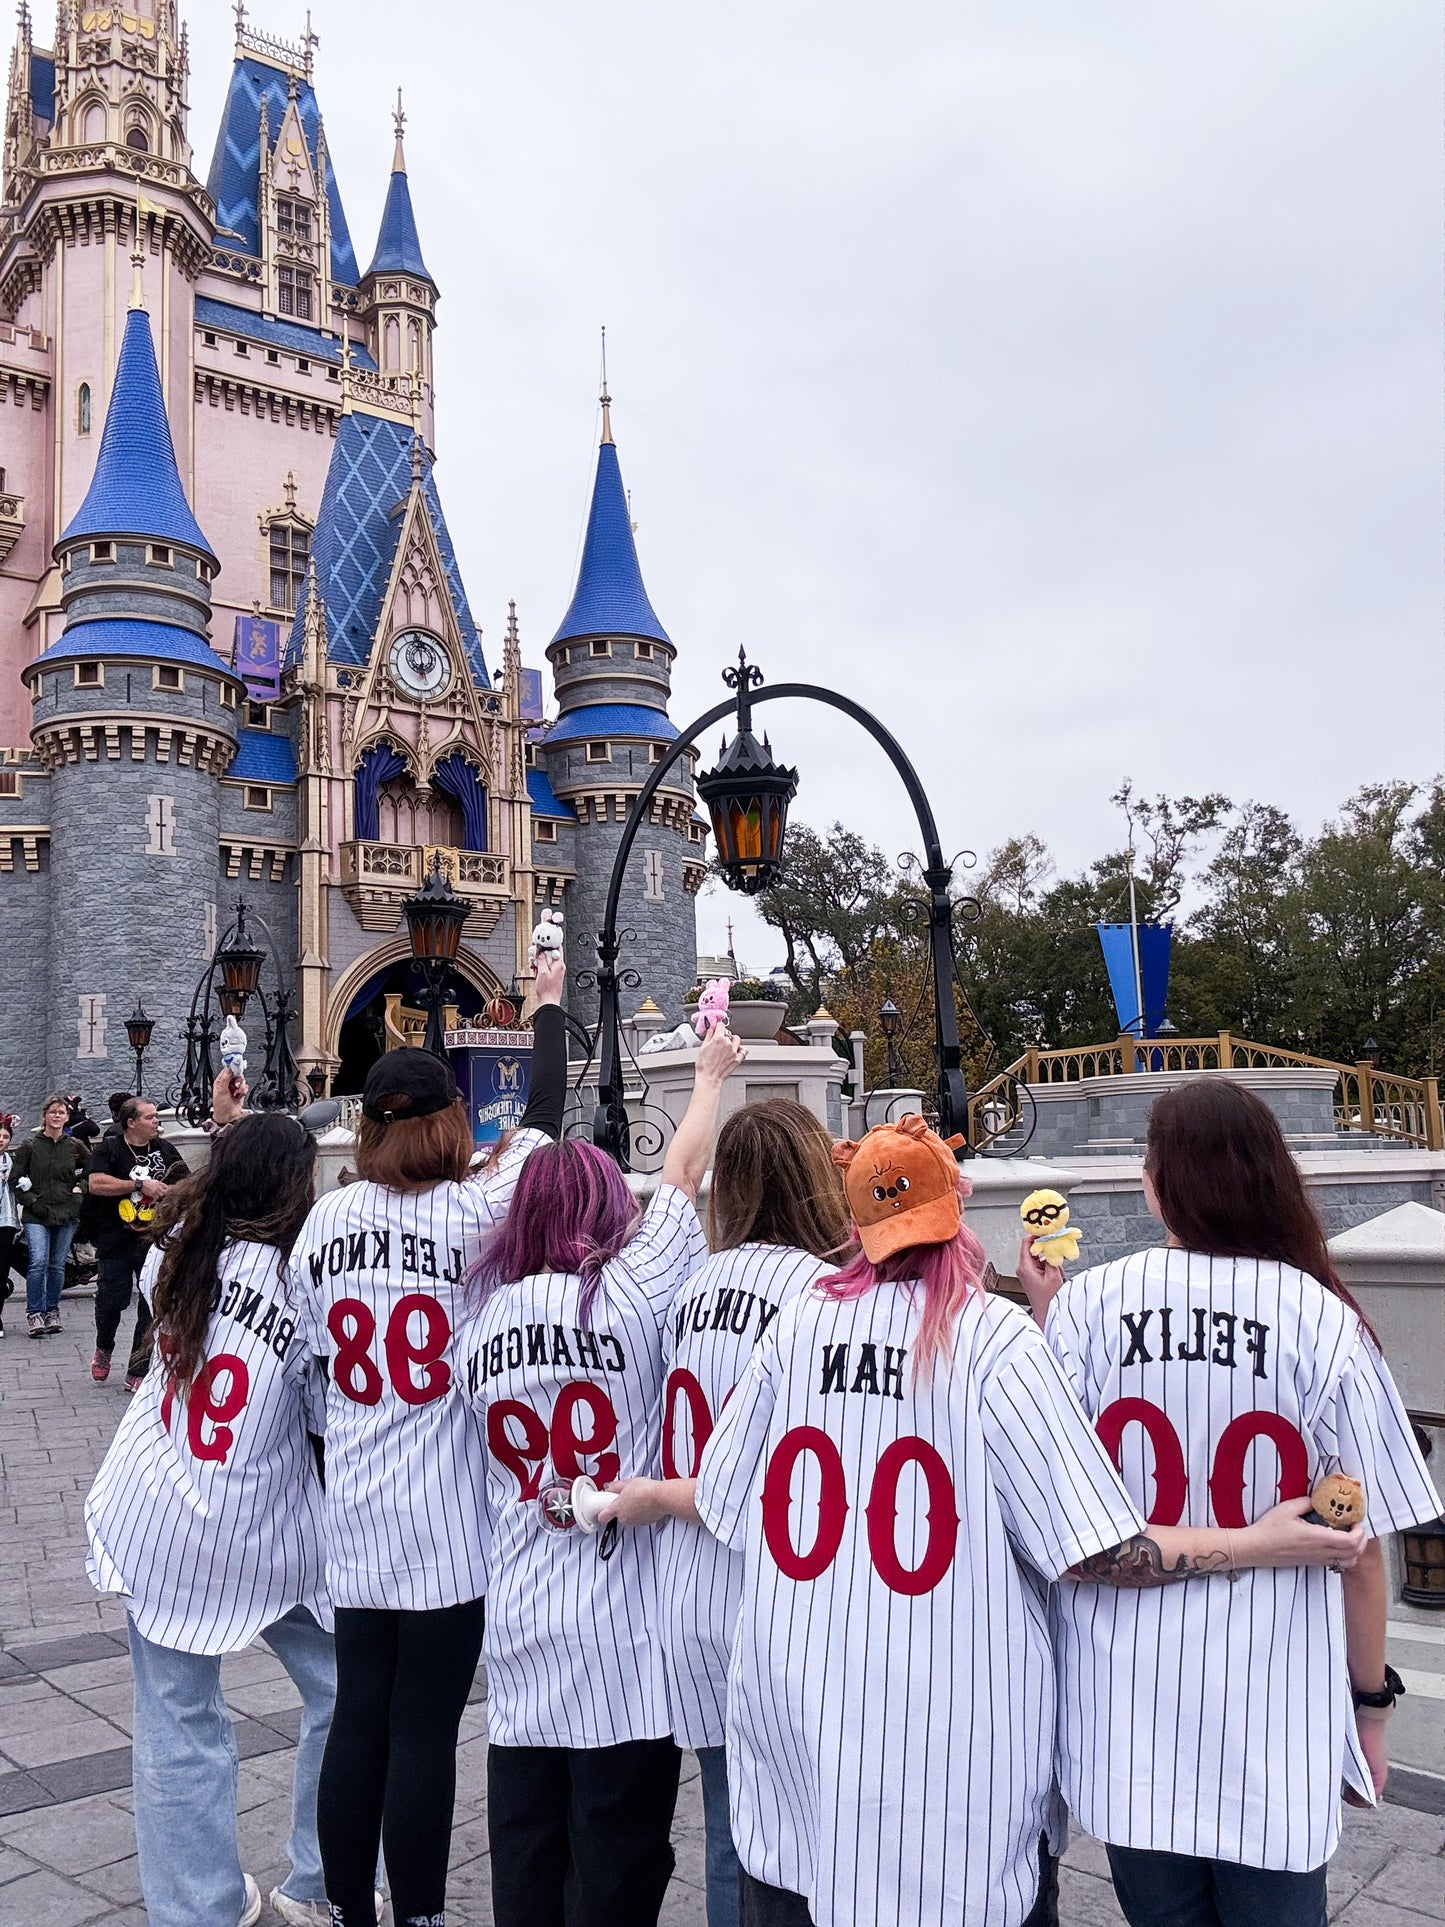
{"points": [[46, 1172]]}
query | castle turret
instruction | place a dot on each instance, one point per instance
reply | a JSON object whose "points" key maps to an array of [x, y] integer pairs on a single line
{"points": [[134, 717], [611, 666], [398, 295]]}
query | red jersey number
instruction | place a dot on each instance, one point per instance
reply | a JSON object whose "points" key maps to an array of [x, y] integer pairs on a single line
{"points": [[881, 1511], [1226, 1476], [218, 1394], [414, 1364], [518, 1438]]}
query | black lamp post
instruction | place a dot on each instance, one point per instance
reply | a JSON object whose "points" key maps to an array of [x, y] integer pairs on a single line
{"points": [[889, 1018], [138, 1029], [434, 920], [316, 1078], [1370, 1053], [747, 797], [233, 978]]}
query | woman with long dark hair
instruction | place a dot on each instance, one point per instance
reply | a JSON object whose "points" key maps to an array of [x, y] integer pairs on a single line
{"points": [[1204, 1739], [379, 1266], [776, 1214], [206, 1516], [564, 1363]]}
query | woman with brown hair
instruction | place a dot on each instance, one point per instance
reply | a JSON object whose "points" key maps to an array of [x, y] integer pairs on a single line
{"points": [[1204, 1732], [379, 1266], [775, 1214]]}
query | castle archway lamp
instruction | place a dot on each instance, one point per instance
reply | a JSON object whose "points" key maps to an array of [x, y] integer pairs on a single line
{"points": [[889, 1018], [747, 797], [435, 917], [138, 1029], [231, 978]]}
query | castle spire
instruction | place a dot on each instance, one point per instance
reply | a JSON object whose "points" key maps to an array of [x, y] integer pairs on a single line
{"points": [[398, 248], [605, 398], [610, 597], [136, 488]]}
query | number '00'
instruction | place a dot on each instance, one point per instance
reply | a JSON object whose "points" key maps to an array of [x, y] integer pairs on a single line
{"points": [[881, 1511]]}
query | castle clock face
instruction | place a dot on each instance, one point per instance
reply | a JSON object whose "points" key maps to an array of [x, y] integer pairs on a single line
{"points": [[420, 664]]}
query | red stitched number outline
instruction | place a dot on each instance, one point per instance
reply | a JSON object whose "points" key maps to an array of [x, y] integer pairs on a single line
{"points": [[881, 1511], [525, 1458], [353, 1326], [681, 1381], [203, 1407], [1226, 1477]]}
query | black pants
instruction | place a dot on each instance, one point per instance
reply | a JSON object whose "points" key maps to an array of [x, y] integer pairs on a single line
{"points": [[117, 1275], [389, 1775], [14, 1256], [581, 1836], [763, 1906], [1178, 1890]]}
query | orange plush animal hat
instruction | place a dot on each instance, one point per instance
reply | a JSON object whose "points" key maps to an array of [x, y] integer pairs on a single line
{"points": [[902, 1185]]}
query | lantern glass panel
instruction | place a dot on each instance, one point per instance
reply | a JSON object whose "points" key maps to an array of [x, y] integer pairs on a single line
{"points": [[232, 1002]]}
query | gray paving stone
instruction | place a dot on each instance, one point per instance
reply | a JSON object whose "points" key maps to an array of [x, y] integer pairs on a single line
{"points": [[45, 1900], [76, 1838], [1407, 1879]]}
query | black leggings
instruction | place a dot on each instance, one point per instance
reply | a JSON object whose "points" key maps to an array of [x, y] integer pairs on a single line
{"points": [[390, 1772]]}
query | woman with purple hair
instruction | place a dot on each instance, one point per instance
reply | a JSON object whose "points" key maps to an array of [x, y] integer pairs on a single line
{"points": [[564, 1363]]}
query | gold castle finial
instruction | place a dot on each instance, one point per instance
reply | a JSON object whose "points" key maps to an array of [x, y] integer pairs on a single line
{"points": [[398, 121], [606, 399]]}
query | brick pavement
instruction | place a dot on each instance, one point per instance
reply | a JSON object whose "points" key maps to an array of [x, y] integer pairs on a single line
{"points": [[67, 1847]]}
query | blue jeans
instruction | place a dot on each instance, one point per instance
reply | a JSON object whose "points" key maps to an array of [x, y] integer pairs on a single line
{"points": [[1177, 1890], [49, 1246], [184, 1768], [722, 1859]]}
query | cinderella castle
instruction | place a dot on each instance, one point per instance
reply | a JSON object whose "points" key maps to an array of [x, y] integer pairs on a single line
{"points": [[237, 657]]}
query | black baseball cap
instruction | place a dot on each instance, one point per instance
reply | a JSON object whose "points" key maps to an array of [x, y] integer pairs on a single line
{"points": [[407, 1083]]}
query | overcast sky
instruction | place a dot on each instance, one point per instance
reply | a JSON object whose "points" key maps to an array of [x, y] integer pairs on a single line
{"points": [[1061, 380]]}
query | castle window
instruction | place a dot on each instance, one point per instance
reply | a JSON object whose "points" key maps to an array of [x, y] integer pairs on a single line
{"points": [[273, 358], [158, 553], [9, 782], [333, 374], [135, 137], [256, 797], [208, 338], [89, 675], [203, 569], [657, 752], [694, 833], [391, 343], [303, 366], [644, 651], [92, 126], [602, 648], [167, 676], [599, 752], [82, 409], [102, 551], [258, 716], [242, 349], [290, 553], [228, 695], [543, 831], [529, 755], [293, 220], [293, 293]]}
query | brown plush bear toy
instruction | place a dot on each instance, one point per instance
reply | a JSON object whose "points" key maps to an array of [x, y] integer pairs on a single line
{"points": [[1337, 1501]]}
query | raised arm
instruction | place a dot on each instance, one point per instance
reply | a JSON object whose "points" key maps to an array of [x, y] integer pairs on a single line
{"points": [[547, 1093], [691, 1146]]}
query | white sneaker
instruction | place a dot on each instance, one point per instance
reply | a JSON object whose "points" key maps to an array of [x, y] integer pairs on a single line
{"points": [[251, 1912], [309, 1913]]}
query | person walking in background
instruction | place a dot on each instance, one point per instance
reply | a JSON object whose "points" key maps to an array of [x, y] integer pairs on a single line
{"points": [[46, 1171], [206, 1516], [129, 1170], [1205, 1734], [12, 1232]]}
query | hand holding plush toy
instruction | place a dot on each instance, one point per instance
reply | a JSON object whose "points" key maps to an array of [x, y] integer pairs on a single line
{"points": [[1046, 1214], [547, 937], [712, 1007], [1337, 1501]]}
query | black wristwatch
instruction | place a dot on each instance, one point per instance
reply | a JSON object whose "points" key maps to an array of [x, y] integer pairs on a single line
{"points": [[1392, 1689]]}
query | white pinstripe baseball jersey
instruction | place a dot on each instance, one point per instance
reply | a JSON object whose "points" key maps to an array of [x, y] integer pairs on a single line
{"points": [[718, 1316], [572, 1647], [1215, 1718], [890, 1723], [206, 1512], [379, 1273]]}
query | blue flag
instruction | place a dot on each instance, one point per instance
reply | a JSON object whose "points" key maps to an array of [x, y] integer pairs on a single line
{"points": [[258, 657], [1116, 942]]}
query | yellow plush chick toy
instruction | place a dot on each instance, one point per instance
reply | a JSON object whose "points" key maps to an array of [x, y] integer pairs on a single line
{"points": [[1046, 1213]]}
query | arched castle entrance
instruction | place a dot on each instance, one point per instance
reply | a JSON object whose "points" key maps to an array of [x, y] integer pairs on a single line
{"points": [[375, 1005]]}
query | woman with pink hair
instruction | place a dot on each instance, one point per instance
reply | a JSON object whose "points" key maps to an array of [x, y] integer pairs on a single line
{"points": [[904, 1468], [564, 1364]]}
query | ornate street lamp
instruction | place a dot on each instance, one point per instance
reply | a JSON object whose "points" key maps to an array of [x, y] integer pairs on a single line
{"points": [[138, 1029], [316, 1078], [232, 977], [747, 796], [434, 920], [1370, 1053], [240, 964], [889, 1018]]}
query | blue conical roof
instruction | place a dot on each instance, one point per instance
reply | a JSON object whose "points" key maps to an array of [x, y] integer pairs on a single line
{"points": [[136, 488], [610, 599], [397, 245]]}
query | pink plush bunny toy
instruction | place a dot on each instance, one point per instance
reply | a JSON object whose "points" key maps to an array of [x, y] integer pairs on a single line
{"points": [[712, 1007]]}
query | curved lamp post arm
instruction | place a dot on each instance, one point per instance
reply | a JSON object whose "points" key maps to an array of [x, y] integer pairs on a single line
{"points": [[610, 1118]]}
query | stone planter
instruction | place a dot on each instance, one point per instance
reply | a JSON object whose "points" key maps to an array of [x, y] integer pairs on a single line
{"points": [[757, 1023]]}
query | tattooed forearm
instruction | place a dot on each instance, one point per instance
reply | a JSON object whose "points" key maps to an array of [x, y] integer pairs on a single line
{"points": [[1139, 1562]]}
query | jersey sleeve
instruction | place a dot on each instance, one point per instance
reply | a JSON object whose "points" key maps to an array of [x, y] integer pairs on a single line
{"points": [[1061, 1498], [731, 1472], [498, 1180], [1065, 1336], [1363, 1431], [666, 1248]]}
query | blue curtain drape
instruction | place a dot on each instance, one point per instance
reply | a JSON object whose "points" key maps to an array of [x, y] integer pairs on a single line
{"points": [[456, 778], [380, 763]]}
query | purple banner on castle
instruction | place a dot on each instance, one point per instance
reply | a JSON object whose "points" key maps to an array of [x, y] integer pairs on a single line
{"points": [[532, 695], [258, 657]]}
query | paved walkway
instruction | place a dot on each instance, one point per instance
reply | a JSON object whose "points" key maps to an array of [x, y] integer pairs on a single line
{"points": [[67, 1845]]}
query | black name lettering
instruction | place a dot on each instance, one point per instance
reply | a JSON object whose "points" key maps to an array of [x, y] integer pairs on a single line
{"points": [[1223, 1353], [1256, 1339], [1138, 1352], [1213, 1336], [865, 1370], [835, 1363]]}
